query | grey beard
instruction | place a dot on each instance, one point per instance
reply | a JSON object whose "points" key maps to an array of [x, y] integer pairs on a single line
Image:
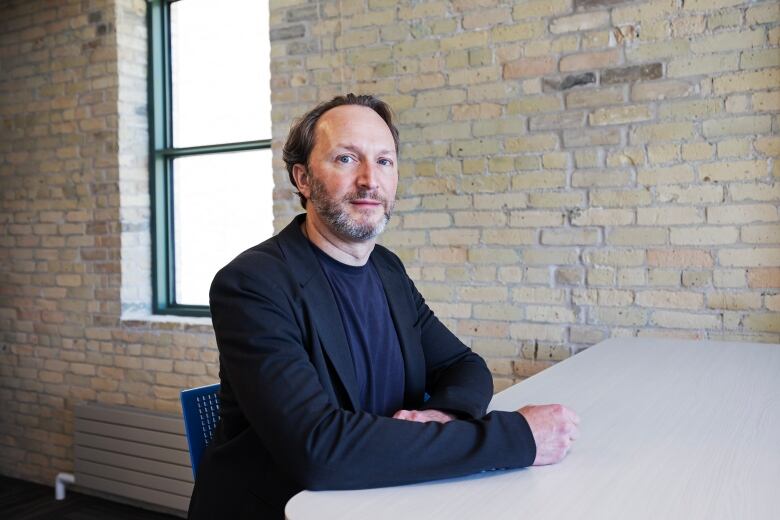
{"points": [[339, 221]]}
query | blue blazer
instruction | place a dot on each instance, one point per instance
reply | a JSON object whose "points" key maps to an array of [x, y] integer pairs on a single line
{"points": [[290, 417]]}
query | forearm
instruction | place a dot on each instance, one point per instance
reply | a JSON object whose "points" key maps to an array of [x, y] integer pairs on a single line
{"points": [[403, 452]]}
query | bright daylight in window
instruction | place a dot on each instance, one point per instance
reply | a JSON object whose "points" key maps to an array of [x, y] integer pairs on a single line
{"points": [[222, 202]]}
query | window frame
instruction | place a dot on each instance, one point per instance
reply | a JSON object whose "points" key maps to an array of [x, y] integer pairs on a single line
{"points": [[161, 156]]}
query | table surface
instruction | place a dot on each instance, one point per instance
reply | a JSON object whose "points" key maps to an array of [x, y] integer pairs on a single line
{"points": [[670, 429]]}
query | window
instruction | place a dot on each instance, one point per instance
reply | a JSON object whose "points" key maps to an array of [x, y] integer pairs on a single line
{"points": [[210, 127]]}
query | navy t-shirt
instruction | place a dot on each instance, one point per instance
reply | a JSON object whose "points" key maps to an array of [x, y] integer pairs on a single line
{"points": [[371, 335]]}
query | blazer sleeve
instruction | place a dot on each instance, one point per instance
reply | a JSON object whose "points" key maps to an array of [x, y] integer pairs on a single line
{"points": [[263, 356]]}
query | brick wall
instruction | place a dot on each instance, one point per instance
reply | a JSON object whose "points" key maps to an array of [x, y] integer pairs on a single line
{"points": [[74, 245], [565, 178], [571, 170]]}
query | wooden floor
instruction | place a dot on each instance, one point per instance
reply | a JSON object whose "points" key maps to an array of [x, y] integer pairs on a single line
{"points": [[22, 500]]}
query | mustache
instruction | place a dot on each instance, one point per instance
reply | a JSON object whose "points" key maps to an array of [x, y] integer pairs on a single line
{"points": [[365, 194]]}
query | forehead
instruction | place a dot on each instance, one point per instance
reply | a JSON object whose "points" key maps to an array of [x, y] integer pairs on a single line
{"points": [[353, 125]]}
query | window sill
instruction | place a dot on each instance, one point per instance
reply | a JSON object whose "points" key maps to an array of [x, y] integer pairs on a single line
{"points": [[163, 320]]}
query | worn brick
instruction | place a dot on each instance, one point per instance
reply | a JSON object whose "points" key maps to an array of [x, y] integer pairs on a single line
{"points": [[568, 237], [761, 234], [670, 299], [733, 301], [603, 217], [750, 257], [624, 317], [662, 132], [764, 277], [685, 320], [529, 67], [579, 22], [621, 198], [755, 191], [534, 104], [545, 47], [726, 41], [550, 256], [619, 115], [746, 81], [595, 137], [657, 50], [592, 60], [508, 236], [737, 125], [730, 278], [732, 171], [678, 174], [690, 109], [763, 13], [765, 322], [540, 8], [660, 90], [492, 256], [556, 199], [704, 235], [518, 32], [767, 102], [599, 178], [629, 237], [669, 215], [742, 214], [465, 40]]}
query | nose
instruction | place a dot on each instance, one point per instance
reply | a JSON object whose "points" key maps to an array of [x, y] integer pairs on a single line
{"points": [[368, 175]]}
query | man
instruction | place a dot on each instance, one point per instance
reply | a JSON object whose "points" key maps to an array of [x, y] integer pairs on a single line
{"points": [[335, 373]]}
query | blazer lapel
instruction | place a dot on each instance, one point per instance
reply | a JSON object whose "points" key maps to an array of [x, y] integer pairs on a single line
{"points": [[404, 317], [318, 296]]}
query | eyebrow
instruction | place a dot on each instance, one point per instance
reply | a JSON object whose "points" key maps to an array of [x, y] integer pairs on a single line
{"points": [[357, 150]]}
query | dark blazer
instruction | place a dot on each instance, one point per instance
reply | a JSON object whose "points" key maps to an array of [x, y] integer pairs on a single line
{"points": [[290, 417]]}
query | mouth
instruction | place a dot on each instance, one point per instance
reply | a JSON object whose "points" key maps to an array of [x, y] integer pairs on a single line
{"points": [[365, 203]]}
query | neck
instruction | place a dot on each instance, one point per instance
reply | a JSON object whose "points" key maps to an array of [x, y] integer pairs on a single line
{"points": [[345, 251]]}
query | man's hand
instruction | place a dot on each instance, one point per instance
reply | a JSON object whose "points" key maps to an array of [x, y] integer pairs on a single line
{"points": [[554, 428], [423, 416]]}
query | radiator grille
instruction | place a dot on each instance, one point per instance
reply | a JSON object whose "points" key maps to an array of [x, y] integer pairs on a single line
{"points": [[132, 453]]}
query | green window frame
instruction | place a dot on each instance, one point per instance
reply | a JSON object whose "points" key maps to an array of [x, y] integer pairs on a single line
{"points": [[161, 156]]}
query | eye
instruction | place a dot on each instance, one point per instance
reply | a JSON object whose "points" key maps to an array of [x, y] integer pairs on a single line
{"points": [[345, 159], [385, 162]]}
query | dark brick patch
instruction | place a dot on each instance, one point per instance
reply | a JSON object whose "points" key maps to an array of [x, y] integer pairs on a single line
{"points": [[570, 81], [304, 47], [585, 4], [299, 14], [288, 33], [632, 73]]}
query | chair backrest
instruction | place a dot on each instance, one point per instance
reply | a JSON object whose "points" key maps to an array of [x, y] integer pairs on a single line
{"points": [[201, 413]]}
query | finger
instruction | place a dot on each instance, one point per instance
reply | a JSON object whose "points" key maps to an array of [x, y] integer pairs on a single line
{"points": [[401, 414], [571, 415]]}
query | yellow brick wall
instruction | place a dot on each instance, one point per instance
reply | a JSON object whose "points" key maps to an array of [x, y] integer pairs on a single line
{"points": [[74, 232], [571, 170]]}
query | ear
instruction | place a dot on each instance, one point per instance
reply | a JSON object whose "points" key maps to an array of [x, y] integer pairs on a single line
{"points": [[301, 179]]}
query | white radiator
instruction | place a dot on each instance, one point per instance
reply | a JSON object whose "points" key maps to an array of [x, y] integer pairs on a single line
{"points": [[132, 453]]}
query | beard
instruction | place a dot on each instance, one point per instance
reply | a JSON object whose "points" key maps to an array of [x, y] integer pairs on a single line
{"points": [[336, 215]]}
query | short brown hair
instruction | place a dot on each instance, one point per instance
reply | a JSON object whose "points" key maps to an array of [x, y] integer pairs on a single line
{"points": [[300, 140]]}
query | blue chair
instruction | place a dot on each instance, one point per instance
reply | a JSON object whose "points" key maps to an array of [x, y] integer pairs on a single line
{"points": [[201, 413]]}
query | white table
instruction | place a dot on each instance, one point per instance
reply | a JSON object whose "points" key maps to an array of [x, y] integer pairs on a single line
{"points": [[670, 430]]}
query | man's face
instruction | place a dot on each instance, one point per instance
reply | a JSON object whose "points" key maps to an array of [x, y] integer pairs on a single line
{"points": [[352, 172]]}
